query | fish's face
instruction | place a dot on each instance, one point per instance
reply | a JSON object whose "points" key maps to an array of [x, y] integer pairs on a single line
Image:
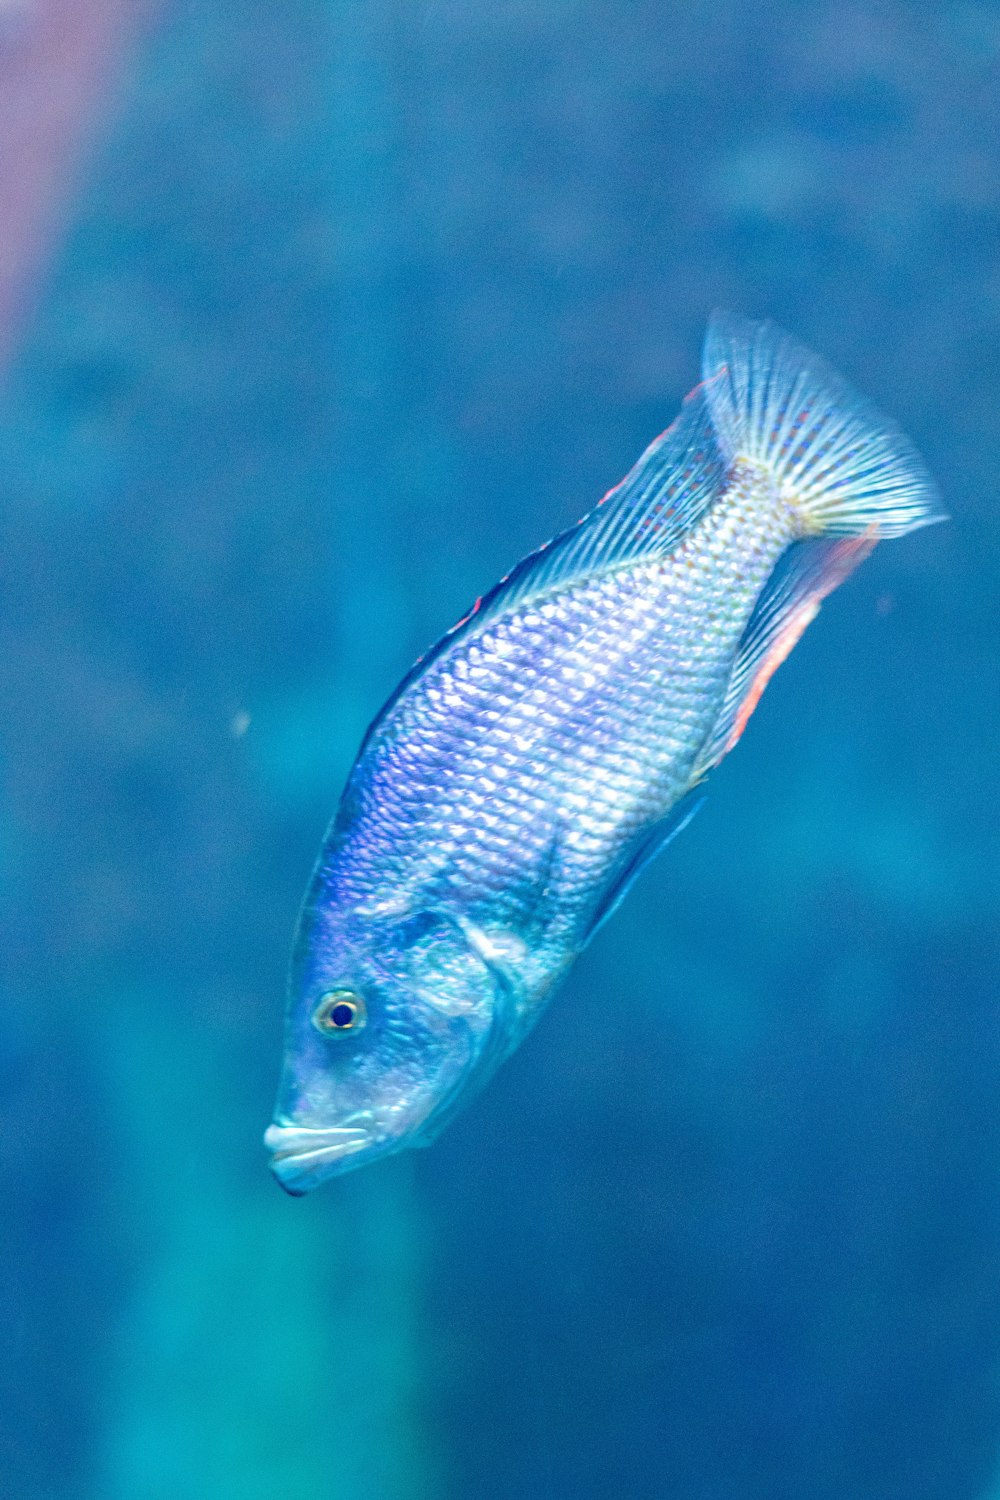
{"points": [[387, 1026]]}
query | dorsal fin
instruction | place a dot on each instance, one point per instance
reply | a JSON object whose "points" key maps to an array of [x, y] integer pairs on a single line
{"points": [[660, 499], [805, 575]]}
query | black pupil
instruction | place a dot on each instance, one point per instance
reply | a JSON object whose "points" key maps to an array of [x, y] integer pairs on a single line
{"points": [[342, 1014]]}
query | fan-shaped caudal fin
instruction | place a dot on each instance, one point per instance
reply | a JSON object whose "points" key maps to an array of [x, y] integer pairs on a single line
{"points": [[843, 466]]}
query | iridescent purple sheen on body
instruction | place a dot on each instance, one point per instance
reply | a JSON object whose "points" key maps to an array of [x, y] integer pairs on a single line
{"points": [[547, 748], [574, 722]]}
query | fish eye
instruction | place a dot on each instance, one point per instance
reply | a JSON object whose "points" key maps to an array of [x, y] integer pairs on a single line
{"points": [[339, 1011]]}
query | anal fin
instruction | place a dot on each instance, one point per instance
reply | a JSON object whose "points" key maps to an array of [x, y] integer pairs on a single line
{"points": [[789, 603]]}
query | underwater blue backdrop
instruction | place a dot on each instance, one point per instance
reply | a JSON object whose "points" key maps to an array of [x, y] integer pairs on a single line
{"points": [[358, 300]]}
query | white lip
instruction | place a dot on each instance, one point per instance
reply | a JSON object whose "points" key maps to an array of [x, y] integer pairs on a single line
{"points": [[301, 1157]]}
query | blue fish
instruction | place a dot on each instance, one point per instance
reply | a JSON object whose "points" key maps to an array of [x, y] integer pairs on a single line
{"points": [[551, 744]]}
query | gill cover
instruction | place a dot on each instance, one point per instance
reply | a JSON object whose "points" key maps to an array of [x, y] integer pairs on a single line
{"points": [[461, 974]]}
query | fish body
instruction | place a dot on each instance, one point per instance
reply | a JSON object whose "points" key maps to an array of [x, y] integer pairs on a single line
{"points": [[535, 760]]}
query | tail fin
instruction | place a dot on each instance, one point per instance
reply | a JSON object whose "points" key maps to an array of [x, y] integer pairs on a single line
{"points": [[836, 459]]}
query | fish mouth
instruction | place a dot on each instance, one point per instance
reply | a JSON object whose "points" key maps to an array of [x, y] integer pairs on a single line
{"points": [[303, 1156]]}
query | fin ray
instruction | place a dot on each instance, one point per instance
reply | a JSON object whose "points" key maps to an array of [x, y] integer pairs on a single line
{"points": [[643, 853], [842, 464], [661, 498], [790, 601]]}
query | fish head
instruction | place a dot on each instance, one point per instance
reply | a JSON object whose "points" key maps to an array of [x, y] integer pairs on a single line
{"points": [[389, 1022]]}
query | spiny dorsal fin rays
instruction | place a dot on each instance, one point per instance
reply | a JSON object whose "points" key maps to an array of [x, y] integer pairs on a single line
{"points": [[764, 398], [662, 497], [842, 464], [658, 502]]}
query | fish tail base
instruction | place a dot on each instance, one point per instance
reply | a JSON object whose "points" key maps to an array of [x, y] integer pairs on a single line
{"points": [[843, 468]]}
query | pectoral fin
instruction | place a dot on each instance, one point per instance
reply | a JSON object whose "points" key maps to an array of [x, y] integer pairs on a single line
{"points": [[646, 849]]}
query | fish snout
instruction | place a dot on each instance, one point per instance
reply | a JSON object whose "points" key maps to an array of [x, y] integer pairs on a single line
{"points": [[303, 1156]]}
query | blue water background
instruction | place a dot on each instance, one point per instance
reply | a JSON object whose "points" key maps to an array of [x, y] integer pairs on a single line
{"points": [[357, 303]]}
